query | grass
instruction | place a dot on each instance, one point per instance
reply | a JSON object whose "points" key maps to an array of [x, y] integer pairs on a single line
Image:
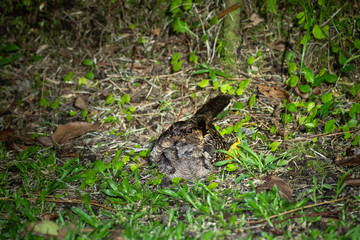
{"points": [[119, 200]]}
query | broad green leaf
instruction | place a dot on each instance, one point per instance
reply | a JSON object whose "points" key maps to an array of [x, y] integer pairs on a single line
{"points": [[44, 102], [88, 62], [347, 68], [310, 106], [273, 146], [82, 81], [4, 60], [292, 67], [214, 21], [54, 104], [342, 58], [193, 58], [357, 43], [309, 76], [231, 167], [213, 185], [329, 126], [244, 83], [179, 26], [204, 83], [292, 107], [326, 97], [330, 78], [110, 99], [355, 109], [271, 6], [175, 57], [212, 75], [125, 99], [252, 100], [224, 88], [305, 88], [68, 77], [238, 106], [352, 123], [320, 33], [177, 65], [175, 6], [89, 75], [239, 91], [11, 47], [292, 81], [301, 17], [250, 60], [187, 4], [356, 140]]}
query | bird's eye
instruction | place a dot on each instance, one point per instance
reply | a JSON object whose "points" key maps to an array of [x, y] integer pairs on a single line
{"points": [[189, 130]]}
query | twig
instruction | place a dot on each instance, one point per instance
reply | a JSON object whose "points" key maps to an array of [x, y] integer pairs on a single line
{"points": [[297, 209], [332, 16], [322, 134], [63, 201]]}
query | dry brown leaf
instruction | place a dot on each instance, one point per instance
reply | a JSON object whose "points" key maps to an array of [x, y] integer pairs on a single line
{"points": [[64, 231], [45, 141], [301, 94], [280, 45], [351, 160], [5, 134], [274, 92], [80, 103], [116, 234], [315, 91], [156, 31], [285, 190], [17, 147], [352, 182], [72, 130], [255, 19]]}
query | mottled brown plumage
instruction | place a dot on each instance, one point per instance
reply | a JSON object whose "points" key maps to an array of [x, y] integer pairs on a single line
{"points": [[188, 148]]}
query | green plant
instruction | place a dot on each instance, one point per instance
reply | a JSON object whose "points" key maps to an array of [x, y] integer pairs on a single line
{"points": [[247, 158], [9, 53], [176, 62]]}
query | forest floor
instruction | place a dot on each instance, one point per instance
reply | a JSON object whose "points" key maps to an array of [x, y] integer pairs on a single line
{"points": [[85, 89]]}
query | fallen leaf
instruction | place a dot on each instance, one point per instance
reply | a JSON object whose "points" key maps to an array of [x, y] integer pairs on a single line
{"points": [[301, 94], [255, 19], [62, 233], [46, 141], [80, 103], [285, 190], [156, 31], [5, 134], [116, 234], [352, 182], [315, 91], [274, 92], [280, 45], [44, 227], [72, 130], [17, 147], [351, 159], [42, 48]]}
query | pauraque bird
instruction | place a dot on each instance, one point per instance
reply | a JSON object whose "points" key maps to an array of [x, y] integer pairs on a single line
{"points": [[188, 148]]}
